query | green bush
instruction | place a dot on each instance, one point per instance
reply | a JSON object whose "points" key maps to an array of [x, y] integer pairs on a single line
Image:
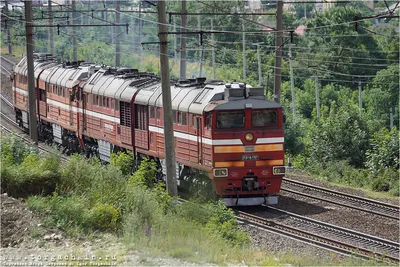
{"points": [[61, 212], [93, 181], [384, 151], [14, 150], [124, 161], [104, 217], [145, 174], [216, 218], [75, 213], [33, 176]]}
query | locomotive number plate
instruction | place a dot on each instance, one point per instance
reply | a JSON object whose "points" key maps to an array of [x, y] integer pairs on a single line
{"points": [[249, 148], [250, 157]]}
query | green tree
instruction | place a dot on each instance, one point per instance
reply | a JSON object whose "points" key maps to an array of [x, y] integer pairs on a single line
{"points": [[384, 151]]}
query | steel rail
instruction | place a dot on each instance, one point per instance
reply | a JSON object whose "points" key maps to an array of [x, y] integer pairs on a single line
{"points": [[6, 101], [359, 203], [314, 238], [4, 69], [7, 60]]}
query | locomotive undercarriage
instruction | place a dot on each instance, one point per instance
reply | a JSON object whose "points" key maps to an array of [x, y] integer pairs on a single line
{"points": [[21, 117], [45, 131], [256, 194]]}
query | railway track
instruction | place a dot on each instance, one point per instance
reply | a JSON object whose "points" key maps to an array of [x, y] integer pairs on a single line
{"points": [[6, 65], [5, 100], [327, 236], [342, 199]]}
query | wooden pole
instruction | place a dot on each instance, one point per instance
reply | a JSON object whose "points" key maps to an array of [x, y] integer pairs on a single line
{"points": [[167, 105]]}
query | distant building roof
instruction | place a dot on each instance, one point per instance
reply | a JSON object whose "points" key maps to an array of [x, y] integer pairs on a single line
{"points": [[300, 29]]}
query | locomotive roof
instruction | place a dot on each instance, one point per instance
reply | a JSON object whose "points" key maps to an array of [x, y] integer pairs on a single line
{"points": [[105, 84], [123, 84], [240, 104], [53, 72]]}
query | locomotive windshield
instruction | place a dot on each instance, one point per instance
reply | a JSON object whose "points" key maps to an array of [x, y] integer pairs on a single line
{"points": [[260, 118], [230, 119]]}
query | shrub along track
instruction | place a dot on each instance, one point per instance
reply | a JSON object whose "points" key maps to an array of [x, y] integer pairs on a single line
{"points": [[327, 236], [11, 127], [342, 199]]}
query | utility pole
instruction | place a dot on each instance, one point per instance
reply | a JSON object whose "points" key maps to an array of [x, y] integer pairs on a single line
{"points": [[169, 145], [260, 79], [391, 117], [278, 52], [175, 42], [51, 31], [140, 24], [244, 51], [74, 55], [317, 98], [292, 84], [183, 42], [360, 96], [88, 12], [117, 41], [8, 29], [266, 85], [201, 47], [31, 76], [213, 48]]}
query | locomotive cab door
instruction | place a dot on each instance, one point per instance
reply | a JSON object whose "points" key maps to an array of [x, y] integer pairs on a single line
{"points": [[42, 102]]}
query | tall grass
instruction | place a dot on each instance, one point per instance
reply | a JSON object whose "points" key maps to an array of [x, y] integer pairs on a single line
{"points": [[23, 172], [90, 198]]}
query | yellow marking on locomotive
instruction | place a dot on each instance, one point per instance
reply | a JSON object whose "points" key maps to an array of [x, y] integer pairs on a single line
{"points": [[228, 149], [229, 164], [257, 148], [271, 162]]}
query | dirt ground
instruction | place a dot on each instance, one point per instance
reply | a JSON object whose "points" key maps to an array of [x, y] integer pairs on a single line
{"points": [[26, 242]]}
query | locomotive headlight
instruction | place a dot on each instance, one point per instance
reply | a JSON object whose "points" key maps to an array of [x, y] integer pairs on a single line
{"points": [[249, 137], [279, 170], [221, 172]]}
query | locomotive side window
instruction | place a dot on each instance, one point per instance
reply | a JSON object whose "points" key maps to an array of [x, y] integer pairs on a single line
{"points": [[182, 118], [260, 118], [174, 116], [230, 119], [184, 121], [158, 113], [42, 95], [208, 120], [194, 122], [151, 112]]}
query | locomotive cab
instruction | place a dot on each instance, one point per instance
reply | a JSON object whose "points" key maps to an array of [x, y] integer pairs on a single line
{"points": [[248, 152]]}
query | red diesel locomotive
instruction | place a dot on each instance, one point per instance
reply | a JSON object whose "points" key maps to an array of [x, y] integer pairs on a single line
{"points": [[228, 130]]}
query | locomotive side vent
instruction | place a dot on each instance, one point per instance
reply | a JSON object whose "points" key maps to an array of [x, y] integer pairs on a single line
{"points": [[126, 71]]}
